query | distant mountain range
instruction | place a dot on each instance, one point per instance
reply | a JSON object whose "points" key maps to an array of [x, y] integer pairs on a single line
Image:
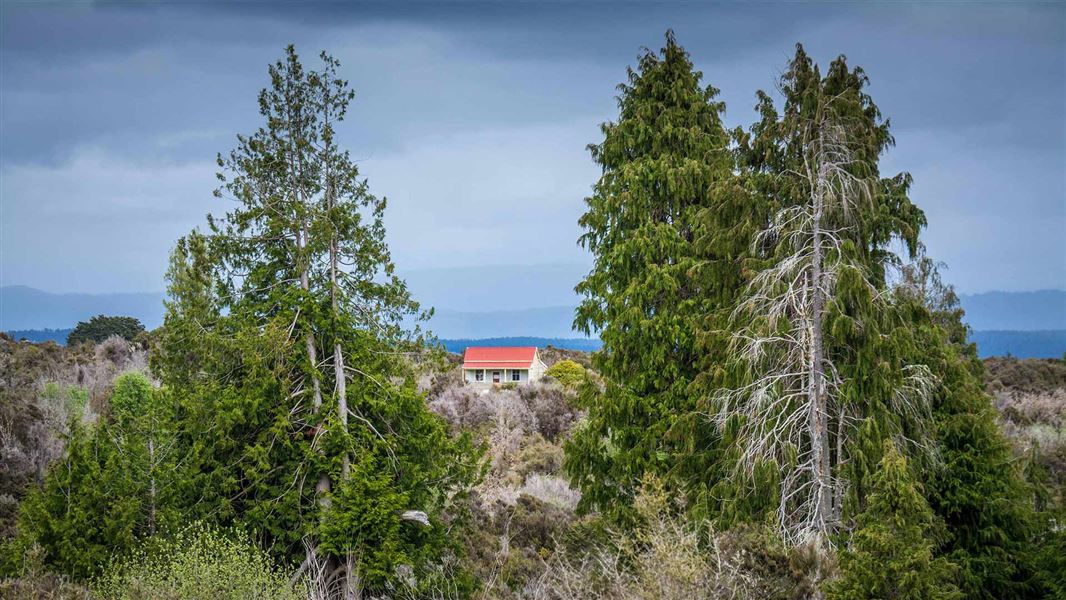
{"points": [[1019, 311], [1020, 323], [1021, 344], [547, 322], [585, 345], [24, 307]]}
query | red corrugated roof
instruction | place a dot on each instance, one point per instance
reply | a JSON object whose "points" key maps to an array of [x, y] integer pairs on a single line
{"points": [[504, 357]]}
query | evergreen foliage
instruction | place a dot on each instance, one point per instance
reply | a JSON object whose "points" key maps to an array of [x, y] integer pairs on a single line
{"points": [[113, 486], [665, 162], [815, 321], [896, 362], [287, 406], [766, 354], [1051, 557], [976, 487], [978, 490], [890, 555], [283, 345], [101, 327]]}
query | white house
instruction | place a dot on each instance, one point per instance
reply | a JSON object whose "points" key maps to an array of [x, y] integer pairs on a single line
{"points": [[489, 366]]}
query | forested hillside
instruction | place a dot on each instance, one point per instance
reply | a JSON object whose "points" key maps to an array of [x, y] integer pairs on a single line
{"points": [[784, 406]]}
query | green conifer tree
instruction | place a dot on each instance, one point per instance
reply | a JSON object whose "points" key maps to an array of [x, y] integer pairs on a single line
{"points": [[890, 555], [101, 327], [976, 487], [114, 486], [665, 162], [284, 343], [821, 365], [286, 393]]}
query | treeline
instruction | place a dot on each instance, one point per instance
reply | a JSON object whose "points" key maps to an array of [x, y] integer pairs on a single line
{"points": [[783, 407], [95, 330]]}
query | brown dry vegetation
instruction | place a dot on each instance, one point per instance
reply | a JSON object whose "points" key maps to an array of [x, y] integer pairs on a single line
{"points": [[524, 505], [528, 542], [1031, 397]]}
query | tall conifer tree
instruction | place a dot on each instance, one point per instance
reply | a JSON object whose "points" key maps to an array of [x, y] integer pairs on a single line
{"points": [[665, 161], [815, 321], [284, 335], [877, 339]]}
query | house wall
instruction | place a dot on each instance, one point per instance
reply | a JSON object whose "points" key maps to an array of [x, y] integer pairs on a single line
{"points": [[505, 376], [538, 367]]}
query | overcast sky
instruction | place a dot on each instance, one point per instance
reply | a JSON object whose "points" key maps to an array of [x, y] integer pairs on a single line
{"points": [[473, 120]]}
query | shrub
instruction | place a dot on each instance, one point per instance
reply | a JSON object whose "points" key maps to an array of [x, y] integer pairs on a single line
{"points": [[890, 553], [536, 524], [568, 373], [1032, 375], [511, 422], [530, 408], [453, 404], [539, 456], [200, 563], [552, 490], [115, 350], [34, 581], [435, 381], [1030, 408], [666, 557], [550, 404]]}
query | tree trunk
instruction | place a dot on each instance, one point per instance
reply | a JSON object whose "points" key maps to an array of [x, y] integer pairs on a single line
{"points": [[838, 491], [338, 355], [312, 354], [323, 487], [817, 425], [151, 486], [351, 578]]}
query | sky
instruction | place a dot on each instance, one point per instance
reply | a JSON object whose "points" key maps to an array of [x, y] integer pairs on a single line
{"points": [[473, 120]]}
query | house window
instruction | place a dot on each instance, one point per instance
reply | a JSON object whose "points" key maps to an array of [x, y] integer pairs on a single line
{"points": [[516, 375], [495, 377], [479, 375]]}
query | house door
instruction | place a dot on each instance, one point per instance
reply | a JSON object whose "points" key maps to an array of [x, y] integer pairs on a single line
{"points": [[495, 377]]}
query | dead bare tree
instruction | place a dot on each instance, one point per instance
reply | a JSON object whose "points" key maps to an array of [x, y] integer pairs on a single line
{"points": [[792, 409]]}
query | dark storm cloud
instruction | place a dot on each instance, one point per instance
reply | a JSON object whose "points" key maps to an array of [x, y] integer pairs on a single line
{"points": [[473, 117]]}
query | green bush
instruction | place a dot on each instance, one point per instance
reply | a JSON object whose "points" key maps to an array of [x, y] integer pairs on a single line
{"points": [[567, 372], [200, 563]]}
